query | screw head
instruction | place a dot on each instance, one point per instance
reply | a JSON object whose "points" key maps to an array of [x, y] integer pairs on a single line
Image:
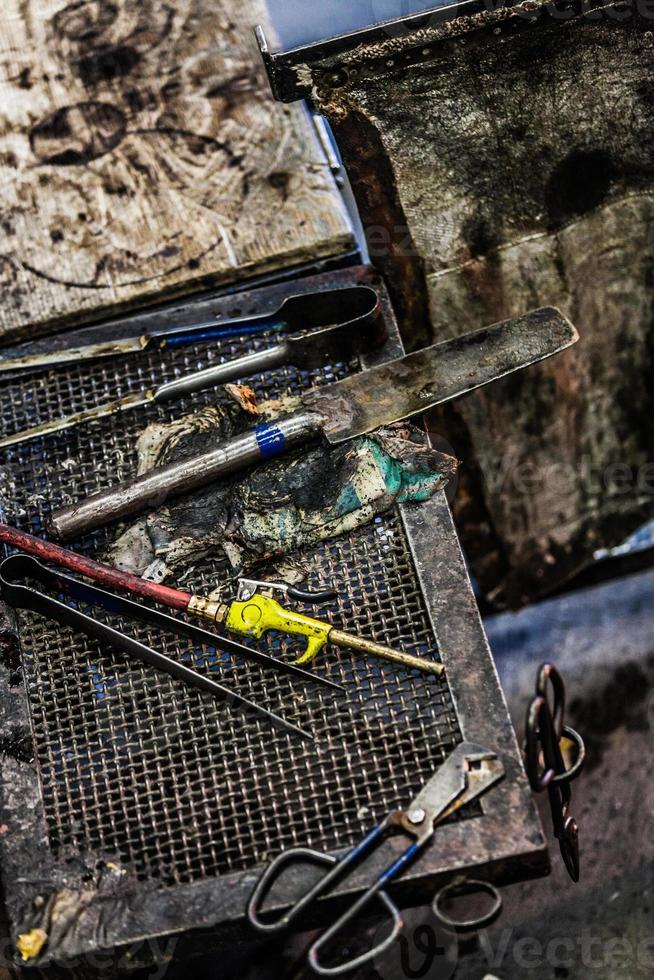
{"points": [[417, 816]]}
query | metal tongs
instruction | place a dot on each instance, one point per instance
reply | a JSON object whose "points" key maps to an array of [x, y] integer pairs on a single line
{"points": [[18, 570], [338, 325], [470, 771]]}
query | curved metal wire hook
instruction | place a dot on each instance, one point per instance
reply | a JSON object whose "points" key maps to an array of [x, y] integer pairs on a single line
{"points": [[545, 730]]}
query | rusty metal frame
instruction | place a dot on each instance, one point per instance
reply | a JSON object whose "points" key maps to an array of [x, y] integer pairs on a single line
{"points": [[294, 73], [504, 844]]}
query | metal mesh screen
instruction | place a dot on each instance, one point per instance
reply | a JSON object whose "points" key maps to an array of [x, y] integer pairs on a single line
{"points": [[164, 781]]}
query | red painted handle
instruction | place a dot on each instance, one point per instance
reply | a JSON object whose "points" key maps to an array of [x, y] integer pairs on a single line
{"points": [[104, 574]]}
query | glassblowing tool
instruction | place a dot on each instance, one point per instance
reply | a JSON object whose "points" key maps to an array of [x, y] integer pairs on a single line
{"points": [[469, 772], [545, 764], [17, 570], [352, 407], [355, 324], [304, 311], [254, 615]]}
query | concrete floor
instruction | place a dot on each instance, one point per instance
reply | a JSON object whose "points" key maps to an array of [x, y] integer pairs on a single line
{"points": [[603, 642]]}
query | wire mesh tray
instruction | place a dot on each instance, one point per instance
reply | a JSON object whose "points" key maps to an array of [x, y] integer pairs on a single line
{"points": [[135, 807]]}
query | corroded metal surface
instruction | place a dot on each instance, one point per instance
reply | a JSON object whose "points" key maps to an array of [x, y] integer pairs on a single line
{"points": [[352, 407], [501, 157], [403, 388]]}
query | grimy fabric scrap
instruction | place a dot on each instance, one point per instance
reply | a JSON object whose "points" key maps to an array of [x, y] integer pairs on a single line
{"points": [[280, 507]]}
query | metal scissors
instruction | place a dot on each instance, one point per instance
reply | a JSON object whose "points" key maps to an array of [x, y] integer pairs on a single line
{"points": [[467, 773], [17, 570]]}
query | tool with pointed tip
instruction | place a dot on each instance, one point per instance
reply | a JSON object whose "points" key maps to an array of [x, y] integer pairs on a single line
{"points": [[469, 772], [255, 612], [251, 614], [19, 570], [348, 322], [353, 407], [163, 595]]}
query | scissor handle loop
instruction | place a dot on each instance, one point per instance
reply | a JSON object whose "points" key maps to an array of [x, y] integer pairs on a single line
{"points": [[550, 679], [345, 919], [545, 730], [271, 875]]}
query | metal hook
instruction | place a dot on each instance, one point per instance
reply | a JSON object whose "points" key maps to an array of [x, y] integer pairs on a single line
{"points": [[544, 732], [461, 887]]}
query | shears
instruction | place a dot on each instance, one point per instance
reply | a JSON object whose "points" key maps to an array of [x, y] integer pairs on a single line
{"points": [[469, 772]]}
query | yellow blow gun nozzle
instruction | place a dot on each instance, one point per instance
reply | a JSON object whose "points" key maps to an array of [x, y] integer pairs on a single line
{"points": [[257, 615]]}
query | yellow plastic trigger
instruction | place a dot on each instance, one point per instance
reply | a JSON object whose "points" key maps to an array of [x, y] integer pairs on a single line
{"points": [[258, 615]]}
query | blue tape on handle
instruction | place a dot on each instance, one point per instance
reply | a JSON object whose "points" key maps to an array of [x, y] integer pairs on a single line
{"points": [[271, 441], [400, 864], [222, 333]]}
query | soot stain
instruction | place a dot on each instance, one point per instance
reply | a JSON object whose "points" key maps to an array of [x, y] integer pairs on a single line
{"points": [[481, 236], [76, 134], [84, 21], [106, 64], [621, 703], [280, 181], [578, 184]]}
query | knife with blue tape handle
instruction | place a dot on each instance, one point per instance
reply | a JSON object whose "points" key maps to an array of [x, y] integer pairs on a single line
{"points": [[355, 406]]}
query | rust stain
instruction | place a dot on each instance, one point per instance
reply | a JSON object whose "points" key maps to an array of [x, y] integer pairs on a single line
{"points": [[245, 397]]}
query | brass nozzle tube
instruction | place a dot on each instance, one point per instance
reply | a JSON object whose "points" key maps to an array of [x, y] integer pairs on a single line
{"points": [[362, 645]]}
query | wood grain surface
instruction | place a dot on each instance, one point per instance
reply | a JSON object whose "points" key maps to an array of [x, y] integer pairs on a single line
{"points": [[142, 155]]}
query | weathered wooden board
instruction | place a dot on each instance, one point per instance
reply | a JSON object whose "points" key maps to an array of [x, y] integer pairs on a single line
{"points": [[517, 155], [142, 154]]}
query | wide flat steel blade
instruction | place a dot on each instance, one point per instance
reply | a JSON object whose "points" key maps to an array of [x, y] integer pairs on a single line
{"points": [[412, 384]]}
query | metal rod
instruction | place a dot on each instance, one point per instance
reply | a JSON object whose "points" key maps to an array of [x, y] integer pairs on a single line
{"points": [[174, 336], [153, 489], [80, 418], [104, 574], [25, 597], [220, 374], [161, 594], [372, 649]]}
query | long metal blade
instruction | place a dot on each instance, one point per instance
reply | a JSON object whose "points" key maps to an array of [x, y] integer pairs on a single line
{"points": [[81, 418], [70, 355], [174, 336], [412, 384]]}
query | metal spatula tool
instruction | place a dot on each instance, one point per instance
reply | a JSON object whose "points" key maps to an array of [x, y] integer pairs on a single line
{"points": [[344, 410]]}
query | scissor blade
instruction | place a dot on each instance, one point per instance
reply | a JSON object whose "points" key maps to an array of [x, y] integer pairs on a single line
{"points": [[457, 782], [481, 775], [80, 418], [415, 383]]}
